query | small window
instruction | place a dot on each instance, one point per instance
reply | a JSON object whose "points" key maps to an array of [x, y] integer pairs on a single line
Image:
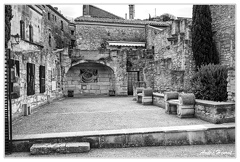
{"points": [[61, 25], [72, 32], [52, 17], [42, 78], [49, 18], [30, 79], [30, 33], [49, 40], [22, 29]]}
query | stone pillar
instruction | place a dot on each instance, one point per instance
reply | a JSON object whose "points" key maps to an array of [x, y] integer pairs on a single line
{"points": [[231, 84]]}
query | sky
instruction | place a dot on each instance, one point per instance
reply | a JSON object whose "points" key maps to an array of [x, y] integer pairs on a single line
{"points": [[142, 11]]}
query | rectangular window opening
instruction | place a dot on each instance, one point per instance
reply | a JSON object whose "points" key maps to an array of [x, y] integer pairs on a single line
{"points": [[30, 79]]}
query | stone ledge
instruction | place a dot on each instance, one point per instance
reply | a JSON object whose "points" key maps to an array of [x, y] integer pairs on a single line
{"points": [[157, 136]]}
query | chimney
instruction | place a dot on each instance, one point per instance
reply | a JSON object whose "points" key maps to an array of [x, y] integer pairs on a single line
{"points": [[55, 8], [86, 11], [131, 11], [125, 16]]}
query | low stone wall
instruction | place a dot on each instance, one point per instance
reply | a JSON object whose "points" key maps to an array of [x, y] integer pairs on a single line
{"points": [[158, 100], [139, 137], [215, 112]]}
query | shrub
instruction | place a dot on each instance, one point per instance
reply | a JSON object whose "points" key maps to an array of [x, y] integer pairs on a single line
{"points": [[210, 83]]}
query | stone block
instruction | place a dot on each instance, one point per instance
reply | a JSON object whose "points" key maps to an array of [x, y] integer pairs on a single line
{"points": [[134, 140], [104, 87], [77, 147], [94, 141], [115, 141], [92, 91], [104, 91], [231, 135], [216, 136], [103, 79], [21, 146], [197, 138], [154, 139], [75, 82], [95, 87], [176, 138]]}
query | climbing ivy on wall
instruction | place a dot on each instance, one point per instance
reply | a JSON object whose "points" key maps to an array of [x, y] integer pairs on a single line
{"points": [[8, 17], [203, 47], [62, 38]]}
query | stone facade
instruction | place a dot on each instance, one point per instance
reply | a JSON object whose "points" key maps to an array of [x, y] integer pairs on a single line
{"points": [[90, 37], [36, 51], [173, 60], [223, 26]]}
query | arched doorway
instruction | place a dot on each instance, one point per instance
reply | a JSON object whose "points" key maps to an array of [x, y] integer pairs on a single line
{"points": [[89, 78]]}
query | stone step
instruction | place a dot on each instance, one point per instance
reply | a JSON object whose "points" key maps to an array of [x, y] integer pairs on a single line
{"points": [[62, 148]]}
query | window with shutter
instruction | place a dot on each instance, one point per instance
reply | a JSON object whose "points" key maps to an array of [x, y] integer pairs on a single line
{"points": [[30, 33], [30, 79], [42, 78], [22, 29]]}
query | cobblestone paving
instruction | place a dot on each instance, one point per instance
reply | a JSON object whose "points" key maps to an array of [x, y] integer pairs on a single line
{"points": [[89, 114]]}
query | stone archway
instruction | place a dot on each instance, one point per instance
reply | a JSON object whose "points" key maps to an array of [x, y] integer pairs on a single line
{"points": [[89, 78]]}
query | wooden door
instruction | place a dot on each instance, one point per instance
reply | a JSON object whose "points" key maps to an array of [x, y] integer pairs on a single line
{"points": [[132, 77]]}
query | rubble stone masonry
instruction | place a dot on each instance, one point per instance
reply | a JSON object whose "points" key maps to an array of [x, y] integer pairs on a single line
{"points": [[223, 25]]}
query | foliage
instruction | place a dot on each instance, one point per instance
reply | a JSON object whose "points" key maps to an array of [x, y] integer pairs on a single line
{"points": [[204, 50], [210, 83], [62, 38], [8, 17]]}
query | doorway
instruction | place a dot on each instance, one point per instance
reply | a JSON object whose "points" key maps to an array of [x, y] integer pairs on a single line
{"points": [[133, 76]]}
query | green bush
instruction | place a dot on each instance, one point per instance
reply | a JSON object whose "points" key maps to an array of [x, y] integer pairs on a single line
{"points": [[210, 83]]}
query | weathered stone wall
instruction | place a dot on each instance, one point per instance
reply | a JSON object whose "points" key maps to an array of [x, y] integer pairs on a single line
{"points": [[102, 84], [38, 53], [30, 17], [173, 59], [231, 85], [37, 58], [223, 26], [215, 112], [90, 37]]}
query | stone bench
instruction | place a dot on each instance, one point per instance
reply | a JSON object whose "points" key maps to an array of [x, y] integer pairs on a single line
{"points": [[171, 107], [182, 106], [146, 97], [158, 100], [137, 91]]}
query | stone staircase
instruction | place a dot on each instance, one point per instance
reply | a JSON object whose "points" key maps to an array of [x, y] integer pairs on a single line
{"points": [[61, 148]]}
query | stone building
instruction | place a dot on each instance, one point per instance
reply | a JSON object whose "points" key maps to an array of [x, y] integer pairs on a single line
{"points": [[223, 26], [36, 60], [101, 53]]}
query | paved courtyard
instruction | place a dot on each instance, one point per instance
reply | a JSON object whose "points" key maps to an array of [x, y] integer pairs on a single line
{"points": [[102, 113]]}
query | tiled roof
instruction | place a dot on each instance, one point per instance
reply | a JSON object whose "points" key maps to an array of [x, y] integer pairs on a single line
{"points": [[121, 21]]}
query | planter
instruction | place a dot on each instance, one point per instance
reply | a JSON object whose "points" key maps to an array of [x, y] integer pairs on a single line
{"points": [[70, 93], [111, 92]]}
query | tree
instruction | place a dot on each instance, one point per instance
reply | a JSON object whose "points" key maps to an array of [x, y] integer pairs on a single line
{"points": [[204, 50]]}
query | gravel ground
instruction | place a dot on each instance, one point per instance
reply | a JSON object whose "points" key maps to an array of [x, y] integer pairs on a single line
{"points": [[192, 151], [89, 114]]}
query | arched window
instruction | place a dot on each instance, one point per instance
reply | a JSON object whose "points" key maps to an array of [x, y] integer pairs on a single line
{"points": [[30, 33], [22, 29]]}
